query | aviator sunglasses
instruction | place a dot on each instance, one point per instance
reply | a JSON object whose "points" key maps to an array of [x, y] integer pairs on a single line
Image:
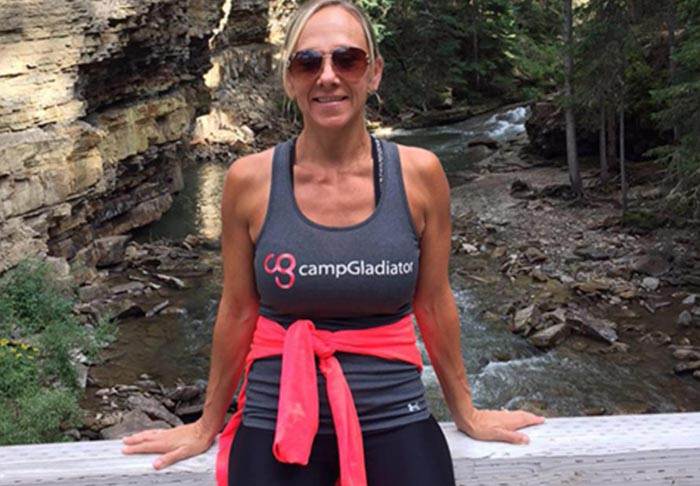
{"points": [[348, 62]]}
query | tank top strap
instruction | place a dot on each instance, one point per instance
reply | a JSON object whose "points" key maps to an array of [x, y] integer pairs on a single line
{"points": [[395, 203], [280, 202]]}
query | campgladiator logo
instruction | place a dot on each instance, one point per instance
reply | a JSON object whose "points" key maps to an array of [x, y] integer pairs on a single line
{"points": [[283, 267]]}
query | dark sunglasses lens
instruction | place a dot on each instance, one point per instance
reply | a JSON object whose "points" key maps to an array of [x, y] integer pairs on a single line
{"points": [[305, 62], [350, 61]]}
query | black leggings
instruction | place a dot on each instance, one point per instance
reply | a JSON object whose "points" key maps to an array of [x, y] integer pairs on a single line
{"points": [[412, 455]]}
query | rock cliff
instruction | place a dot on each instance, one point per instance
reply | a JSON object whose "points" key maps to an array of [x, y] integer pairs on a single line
{"points": [[247, 94], [97, 103]]}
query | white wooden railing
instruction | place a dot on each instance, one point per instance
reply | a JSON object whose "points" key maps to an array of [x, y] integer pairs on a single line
{"points": [[661, 449]]}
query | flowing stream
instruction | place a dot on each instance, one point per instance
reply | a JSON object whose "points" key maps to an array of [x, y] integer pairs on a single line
{"points": [[176, 347]]}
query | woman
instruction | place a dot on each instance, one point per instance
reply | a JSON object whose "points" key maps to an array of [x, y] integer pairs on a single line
{"points": [[329, 242]]}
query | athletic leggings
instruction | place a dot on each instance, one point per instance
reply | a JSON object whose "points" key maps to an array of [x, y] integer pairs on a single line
{"points": [[411, 455]]}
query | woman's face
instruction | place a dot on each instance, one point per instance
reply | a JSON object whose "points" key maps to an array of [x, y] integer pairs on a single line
{"points": [[328, 99]]}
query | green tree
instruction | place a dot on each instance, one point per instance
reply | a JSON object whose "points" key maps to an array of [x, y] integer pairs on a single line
{"points": [[537, 47], [679, 111], [444, 50], [571, 152]]}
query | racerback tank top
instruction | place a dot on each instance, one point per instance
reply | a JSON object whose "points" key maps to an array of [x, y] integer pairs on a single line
{"points": [[350, 277]]}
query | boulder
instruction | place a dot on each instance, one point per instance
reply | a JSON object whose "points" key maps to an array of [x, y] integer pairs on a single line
{"points": [[184, 393], [132, 422], [587, 324], [133, 287], [157, 309], [173, 282], [469, 248], [550, 336], [153, 408], [485, 141], [534, 255], [687, 366], [538, 275], [547, 132], [525, 319], [538, 407], [592, 253], [88, 293], [110, 250], [60, 267], [593, 411], [123, 308], [521, 190], [593, 286], [652, 264], [632, 408], [498, 252], [86, 257], [557, 316], [618, 347], [685, 319], [687, 354], [657, 338]]}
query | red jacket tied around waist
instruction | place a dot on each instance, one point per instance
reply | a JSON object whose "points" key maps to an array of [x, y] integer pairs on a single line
{"points": [[297, 415]]}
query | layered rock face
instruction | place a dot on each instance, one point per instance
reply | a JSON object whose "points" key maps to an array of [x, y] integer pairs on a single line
{"points": [[97, 102], [247, 94]]}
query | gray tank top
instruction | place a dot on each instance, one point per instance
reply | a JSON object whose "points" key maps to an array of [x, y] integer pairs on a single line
{"points": [[350, 277]]}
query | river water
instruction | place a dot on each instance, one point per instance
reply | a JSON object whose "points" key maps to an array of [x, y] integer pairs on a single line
{"points": [[563, 382]]}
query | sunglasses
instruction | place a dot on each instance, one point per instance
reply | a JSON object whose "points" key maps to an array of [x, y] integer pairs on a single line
{"points": [[348, 62]]}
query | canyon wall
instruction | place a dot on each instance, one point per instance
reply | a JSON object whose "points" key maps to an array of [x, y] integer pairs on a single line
{"points": [[248, 100], [97, 103], [100, 101]]}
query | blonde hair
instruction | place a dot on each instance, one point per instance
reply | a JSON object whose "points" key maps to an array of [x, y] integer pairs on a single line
{"points": [[302, 16]]}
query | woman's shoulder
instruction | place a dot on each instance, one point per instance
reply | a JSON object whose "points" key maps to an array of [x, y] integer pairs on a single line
{"points": [[247, 182], [420, 165], [251, 168]]}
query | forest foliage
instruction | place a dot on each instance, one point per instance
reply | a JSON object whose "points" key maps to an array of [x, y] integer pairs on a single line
{"points": [[638, 58]]}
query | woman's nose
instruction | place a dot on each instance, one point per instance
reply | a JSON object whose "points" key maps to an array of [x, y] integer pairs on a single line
{"points": [[328, 73]]}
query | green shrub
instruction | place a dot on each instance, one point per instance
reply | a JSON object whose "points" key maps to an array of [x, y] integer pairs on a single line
{"points": [[18, 367], [32, 299], [38, 309], [39, 335], [37, 416], [643, 220]]}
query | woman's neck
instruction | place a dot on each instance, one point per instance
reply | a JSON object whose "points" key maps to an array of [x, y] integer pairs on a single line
{"points": [[333, 148]]}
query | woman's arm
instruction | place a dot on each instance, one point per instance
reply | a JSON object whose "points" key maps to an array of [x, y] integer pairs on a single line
{"points": [[435, 308], [233, 330]]}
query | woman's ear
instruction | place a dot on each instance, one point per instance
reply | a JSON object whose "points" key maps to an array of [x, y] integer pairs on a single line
{"points": [[288, 88], [377, 74]]}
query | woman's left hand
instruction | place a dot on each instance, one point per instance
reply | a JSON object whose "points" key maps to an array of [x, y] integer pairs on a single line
{"points": [[499, 425]]}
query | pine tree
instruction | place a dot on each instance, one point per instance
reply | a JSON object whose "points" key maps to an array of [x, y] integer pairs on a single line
{"points": [[571, 152], [680, 111]]}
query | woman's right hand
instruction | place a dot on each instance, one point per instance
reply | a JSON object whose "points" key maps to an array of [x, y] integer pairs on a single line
{"points": [[173, 444]]}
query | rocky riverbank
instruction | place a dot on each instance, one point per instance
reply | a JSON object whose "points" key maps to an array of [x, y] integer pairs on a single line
{"points": [[134, 280], [569, 273]]}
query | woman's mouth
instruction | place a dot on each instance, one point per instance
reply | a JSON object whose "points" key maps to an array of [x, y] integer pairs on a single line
{"points": [[329, 99]]}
